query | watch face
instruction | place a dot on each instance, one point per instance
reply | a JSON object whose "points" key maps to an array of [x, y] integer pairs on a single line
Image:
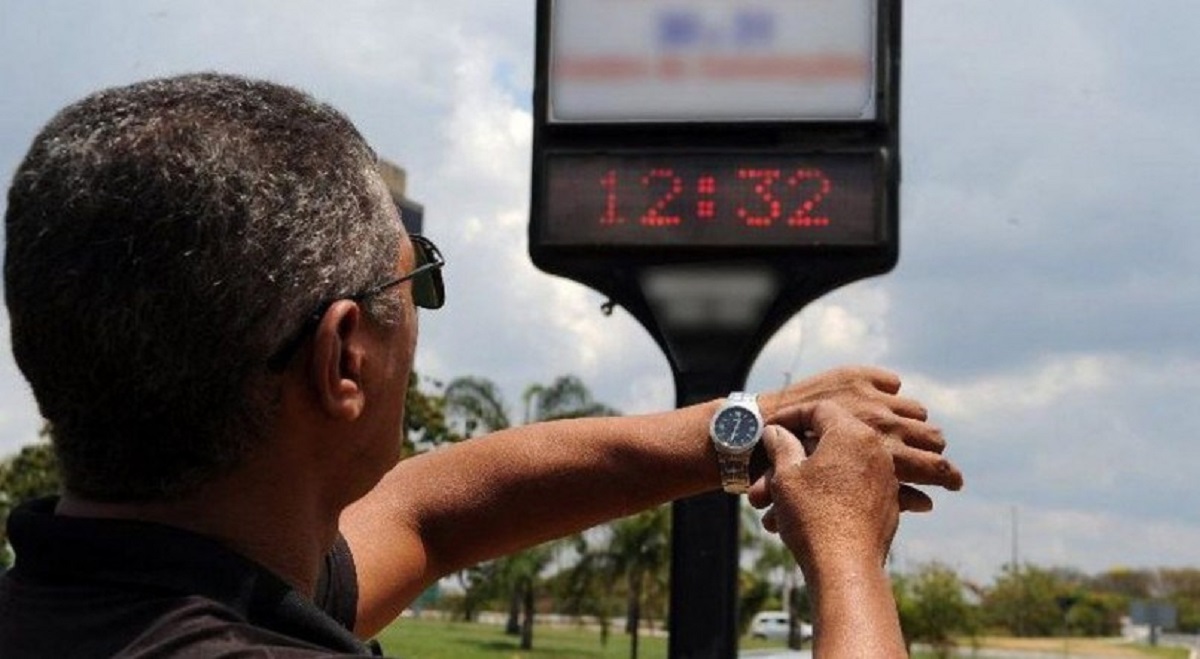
{"points": [[736, 427]]}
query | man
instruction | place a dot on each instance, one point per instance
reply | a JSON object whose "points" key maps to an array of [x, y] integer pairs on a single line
{"points": [[214, 302]]}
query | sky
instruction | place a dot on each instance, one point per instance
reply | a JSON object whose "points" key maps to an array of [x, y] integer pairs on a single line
{"points": [[1046, 305]]}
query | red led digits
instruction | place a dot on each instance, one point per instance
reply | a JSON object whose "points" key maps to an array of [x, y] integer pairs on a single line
{"points": [[739, 197], [609, 183], [725, 199], [706, 186], [764, 178], [656, 216], [818, 183]]}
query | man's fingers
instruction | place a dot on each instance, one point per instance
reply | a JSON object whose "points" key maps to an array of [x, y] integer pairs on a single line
{"points": [[759, 494], [924, 467], [824, 416], [917, 434], [913, 500], [909, 408], [770, 525], [783, 450], [883, 379], [782, 446]]}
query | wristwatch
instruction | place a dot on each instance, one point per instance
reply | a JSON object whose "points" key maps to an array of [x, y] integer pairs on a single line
{"points": [[735, 430]]}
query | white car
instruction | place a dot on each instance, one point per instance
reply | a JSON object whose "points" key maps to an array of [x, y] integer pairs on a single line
{"points": [[773, 625]]}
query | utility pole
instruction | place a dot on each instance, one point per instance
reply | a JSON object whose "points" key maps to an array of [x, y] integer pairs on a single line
{"points": [[1014, 540], [1016, 574]]}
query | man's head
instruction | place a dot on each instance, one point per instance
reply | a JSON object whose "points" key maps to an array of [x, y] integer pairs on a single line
{"points": [[164, 240]]}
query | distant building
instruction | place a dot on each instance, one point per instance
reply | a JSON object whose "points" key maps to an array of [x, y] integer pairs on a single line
{"points": [[411, 212]]}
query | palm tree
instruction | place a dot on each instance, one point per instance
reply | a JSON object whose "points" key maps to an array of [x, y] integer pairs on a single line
{"points": [[586, 589], [477, 407], [636, 553], [425, 416], [565, 398]]}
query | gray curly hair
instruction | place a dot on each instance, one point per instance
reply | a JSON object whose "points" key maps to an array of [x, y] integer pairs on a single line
{"points": [[163, 239]]}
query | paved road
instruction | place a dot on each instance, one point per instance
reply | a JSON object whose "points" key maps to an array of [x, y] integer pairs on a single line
{"points": [[966, 652], [963, 652]]}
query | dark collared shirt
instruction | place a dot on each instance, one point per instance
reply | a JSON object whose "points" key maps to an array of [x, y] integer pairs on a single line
{"points": [[86, 587]]}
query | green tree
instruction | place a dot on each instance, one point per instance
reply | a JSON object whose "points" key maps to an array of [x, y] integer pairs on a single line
{"points": [[905, 607], [633, 552], [475, 593], [933, 607], [775, 566], [474, 406], [31, 473], [1105, 597], [1130, 583], [1024, 601], [1182, 587], [520, 575], [586, 589], [425, 424], [1094, 613]]}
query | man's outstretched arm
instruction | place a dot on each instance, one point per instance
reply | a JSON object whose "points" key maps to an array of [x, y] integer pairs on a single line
{"points": [[486, 497]]}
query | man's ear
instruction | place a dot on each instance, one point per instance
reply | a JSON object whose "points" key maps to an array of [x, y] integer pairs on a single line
{"points": [[337, 360]]}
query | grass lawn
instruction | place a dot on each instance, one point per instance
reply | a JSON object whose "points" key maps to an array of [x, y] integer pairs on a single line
{"points": [[1099, 647], [439, 639]]}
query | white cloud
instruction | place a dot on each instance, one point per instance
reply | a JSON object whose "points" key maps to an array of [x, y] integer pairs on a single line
{"points": [[847, 326], [1037, 387], [852, 331], [489, 137], [976, 537]]}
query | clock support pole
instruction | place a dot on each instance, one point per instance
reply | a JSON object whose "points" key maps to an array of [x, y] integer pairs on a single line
{"points": [[704, 552]]}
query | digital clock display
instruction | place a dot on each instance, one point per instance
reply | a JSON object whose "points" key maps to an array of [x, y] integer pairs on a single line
{"points": [[717, 199]]}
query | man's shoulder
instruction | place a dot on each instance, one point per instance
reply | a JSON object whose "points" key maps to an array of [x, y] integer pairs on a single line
{"points": [[196, 627], [187, 626], [96, 587]]}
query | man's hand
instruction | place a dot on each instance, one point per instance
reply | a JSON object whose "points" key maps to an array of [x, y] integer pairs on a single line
{"points": [[871, 395], [841, 505]]}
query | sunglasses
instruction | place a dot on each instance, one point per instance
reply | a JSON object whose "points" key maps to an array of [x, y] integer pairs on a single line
{"points": [[428, 292]]}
